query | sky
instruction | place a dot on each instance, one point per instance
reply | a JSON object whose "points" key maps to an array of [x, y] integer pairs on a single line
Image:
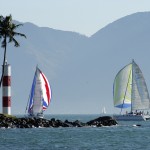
{"points": [[83, 16]]}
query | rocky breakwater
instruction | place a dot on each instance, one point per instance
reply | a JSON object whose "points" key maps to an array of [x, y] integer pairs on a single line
{"points": [[102, 121], [14, 122]]}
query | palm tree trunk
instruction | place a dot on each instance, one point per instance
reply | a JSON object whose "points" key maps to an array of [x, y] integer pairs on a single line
{"points": [[3, 67]]}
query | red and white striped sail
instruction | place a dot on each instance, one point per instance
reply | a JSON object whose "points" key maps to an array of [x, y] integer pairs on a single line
{"points": [[40, 94]]}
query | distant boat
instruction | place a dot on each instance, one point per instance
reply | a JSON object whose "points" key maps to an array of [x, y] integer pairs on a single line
{"points": [[103, 110], [130, 91], [40, 95]]}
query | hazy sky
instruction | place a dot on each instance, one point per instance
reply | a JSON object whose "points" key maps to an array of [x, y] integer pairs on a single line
{"points": [[83, 16]]}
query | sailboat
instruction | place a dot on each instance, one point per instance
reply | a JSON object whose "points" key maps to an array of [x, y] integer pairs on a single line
{"points": [[130, 91], [103, 110], [40, 95]]}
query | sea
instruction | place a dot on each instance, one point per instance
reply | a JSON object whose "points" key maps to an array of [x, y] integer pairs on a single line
{"points": [[127, 135]]}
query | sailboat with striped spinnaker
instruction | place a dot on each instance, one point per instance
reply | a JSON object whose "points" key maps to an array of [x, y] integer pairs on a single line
{"points": [[40, 95]]}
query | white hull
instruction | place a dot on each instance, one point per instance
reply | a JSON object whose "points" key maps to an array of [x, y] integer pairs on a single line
{"points": [[131, 117], [39, 115]]}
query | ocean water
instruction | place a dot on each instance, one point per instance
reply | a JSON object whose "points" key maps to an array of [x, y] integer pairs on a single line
{"points": [[124, 136]]}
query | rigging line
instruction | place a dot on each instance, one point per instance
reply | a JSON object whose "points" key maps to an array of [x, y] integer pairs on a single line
{"points": [[27, 103], [133, 73], [126, 91]]}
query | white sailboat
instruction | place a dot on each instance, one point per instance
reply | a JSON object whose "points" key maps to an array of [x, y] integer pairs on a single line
{"points": [[130, 91], [40, 95], [103, 110]]}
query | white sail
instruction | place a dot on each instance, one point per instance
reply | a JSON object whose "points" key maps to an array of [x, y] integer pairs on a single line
{"points": [[140, 95], [37, 99], [103, 110]]}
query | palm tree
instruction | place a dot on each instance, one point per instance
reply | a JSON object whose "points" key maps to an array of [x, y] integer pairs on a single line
{"points": [[7, 33]]}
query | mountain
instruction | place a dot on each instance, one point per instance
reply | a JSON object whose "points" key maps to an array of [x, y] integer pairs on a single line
{"points": [[81, 69]]}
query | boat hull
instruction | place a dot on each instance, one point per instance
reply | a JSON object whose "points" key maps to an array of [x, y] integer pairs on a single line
{"points": [[131, 117], [39, 115]]}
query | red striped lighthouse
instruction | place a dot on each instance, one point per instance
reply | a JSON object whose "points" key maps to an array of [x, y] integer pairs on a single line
{"points": [[6, 93]]}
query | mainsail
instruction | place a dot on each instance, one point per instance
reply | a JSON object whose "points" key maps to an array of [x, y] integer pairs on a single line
{"points": [[129, 89], [40, 94], [140, 96]]}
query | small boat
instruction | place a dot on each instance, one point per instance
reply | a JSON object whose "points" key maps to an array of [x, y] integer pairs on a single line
{"points": [[103, 110], [130, 91], [40, 95]]}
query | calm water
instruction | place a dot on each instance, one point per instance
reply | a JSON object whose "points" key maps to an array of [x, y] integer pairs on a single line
{"points": [[122, 137]]}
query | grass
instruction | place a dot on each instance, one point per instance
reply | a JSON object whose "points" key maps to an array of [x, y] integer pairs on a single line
{"points": [[8, 116]]}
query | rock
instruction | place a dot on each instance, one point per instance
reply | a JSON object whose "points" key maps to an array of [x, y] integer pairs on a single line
{"points": [[8, 121], [102, 121], [78, 123]]}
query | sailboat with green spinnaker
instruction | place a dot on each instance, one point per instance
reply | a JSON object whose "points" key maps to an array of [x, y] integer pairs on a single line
{"points": [[130, 91]]}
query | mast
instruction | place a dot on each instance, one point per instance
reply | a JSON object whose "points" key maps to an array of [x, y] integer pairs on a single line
{"points": [[132, 85]]}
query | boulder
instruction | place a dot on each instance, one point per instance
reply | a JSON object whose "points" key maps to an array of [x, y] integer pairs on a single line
{"points": [[102, 121]]}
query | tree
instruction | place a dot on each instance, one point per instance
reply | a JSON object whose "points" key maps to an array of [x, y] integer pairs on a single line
{"points": [[7, 34]]}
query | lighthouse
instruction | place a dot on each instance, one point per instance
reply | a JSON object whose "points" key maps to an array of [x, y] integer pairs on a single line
{"points": [[6, 89]]}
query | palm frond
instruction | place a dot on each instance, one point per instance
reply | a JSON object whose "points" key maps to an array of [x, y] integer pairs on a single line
{"points": [[7, 34], [12, 39], [16, 44], [20, 34]]}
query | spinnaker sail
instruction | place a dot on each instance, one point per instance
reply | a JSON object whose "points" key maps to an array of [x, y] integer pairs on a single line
{"points": [[40, 95]]}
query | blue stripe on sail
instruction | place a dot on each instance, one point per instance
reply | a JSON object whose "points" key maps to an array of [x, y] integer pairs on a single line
{"points": [[44, 104], [123, 105], [32, 94]]}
